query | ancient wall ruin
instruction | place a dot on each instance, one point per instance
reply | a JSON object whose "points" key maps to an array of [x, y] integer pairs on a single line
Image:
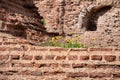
{"points": [[98, 19], [25, 62]]}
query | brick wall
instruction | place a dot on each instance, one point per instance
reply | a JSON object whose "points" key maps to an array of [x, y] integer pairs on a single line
{"points": [[27, 62], [98, 19]]}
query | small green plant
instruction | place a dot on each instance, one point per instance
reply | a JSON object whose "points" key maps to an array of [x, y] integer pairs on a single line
{"points": [[43, 22], [60, 41]]}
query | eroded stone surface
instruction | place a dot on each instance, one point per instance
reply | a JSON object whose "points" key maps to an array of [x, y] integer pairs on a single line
{"points": [[94, 18], [98, 19]]}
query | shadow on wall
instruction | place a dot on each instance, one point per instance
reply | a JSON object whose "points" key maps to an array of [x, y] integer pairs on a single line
{"points": [[94, 16], [27, 11]]}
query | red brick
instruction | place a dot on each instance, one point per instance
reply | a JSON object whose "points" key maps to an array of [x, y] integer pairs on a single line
{"points": [[36, 73], [15, 64], [110, 58], [80, 65], [54, 65], [39, 65], [27, 64], [77, 74], [79, 49], [3, 65], [65, 65], [58, 49], [27, 57], [15, 49], [119, 58], [10, 72], [54, 73], [49, 57], [96, 57], [15, 57], [8, 43], [38, 57], [60, 57], [84, 57], [3, 48], [117, 49], [31, 73], [38, 49], [101, 49], [1, 43], [25, 48], [116, 75], [72, 57], [2, 57], [99, 75]]}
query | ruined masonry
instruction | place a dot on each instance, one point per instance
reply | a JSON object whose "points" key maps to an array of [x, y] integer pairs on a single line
{"points": [[96, 21], [22, 24], [91, 19]]}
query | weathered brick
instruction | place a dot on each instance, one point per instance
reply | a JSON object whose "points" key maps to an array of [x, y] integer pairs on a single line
{"points": [[15, 49], [101, 49], [39, 65], [8, 43], [25, 48], [27, 57], [2, 57], [72, 57], [54, 73], [49, 57], [79, 49], [116, 75], [38, 49], [10, 72], [3, 48], [96, 57], [54, 65], [99, 75], [58, 49], [38, 57], [117, 49], [31, 73], [110, 58], [15, 57], [119, 58], [80, 65], [65, 65], [77, 74], [60, 57], [4, 65], [16, 64], [1, 43], [27, 64], [84, 57]]}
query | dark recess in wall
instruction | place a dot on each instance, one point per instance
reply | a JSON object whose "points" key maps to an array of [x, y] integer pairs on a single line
{"points": [[94, 16]]}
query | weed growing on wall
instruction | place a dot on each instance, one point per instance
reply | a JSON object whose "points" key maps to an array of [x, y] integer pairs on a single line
{"points": [[64, 42], [43, 22]]}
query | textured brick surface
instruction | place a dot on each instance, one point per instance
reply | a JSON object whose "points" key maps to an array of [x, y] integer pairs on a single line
{"points": [[43, 63]]}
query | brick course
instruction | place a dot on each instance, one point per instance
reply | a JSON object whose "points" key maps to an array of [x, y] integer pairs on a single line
{"points": [[42, 64]]}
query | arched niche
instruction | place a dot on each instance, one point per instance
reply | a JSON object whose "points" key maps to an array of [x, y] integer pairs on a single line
{"points": [[88, 18], [94, 16]]}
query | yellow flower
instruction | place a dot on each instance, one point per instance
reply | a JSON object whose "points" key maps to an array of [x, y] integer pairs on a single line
{"points": [[71, 41], [59, 37], [93, 38], [53, 39], [79, 43], [78, 37]]}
